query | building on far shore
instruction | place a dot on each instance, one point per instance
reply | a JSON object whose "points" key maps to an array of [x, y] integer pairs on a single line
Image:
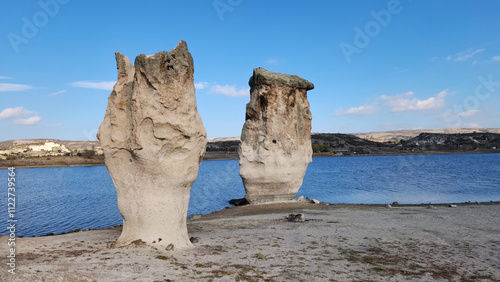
{"points": [[48, 148]]}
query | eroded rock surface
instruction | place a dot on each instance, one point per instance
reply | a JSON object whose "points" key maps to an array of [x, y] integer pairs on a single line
{"points": [[276, 137], [153, 140]]}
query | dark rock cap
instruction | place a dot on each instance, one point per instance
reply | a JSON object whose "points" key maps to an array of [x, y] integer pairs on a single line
{"points": [[263, 76]]}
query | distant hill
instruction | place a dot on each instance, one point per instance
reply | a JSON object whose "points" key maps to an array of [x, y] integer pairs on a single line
{"points": [[370, 143], [230, 145], [339, 140], [397, 135], [224, 139], [337, 144], [463, 142], [325, 143], [344, 144]]}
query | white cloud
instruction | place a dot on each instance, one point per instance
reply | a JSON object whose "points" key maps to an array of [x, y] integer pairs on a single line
{"points": [[4, 77], [104, 85], [468, 113], [14, 112], [201, 85], [357, 111], [464, 55], [496, 59], [229, 90], [28, 121], [59, 124], [56, 93], [273, 61], [405, 102], [18, 113], [4, 87]]}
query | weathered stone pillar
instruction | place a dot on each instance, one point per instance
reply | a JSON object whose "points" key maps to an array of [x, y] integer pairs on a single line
{"points": [[153, 140], [276, 137]]}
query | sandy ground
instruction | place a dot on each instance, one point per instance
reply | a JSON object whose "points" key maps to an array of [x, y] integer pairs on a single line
{"points": [[256, 243]]}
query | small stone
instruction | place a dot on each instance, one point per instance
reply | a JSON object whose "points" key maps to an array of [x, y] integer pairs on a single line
{"points": [[239, 202], [452, 206], [431, 207], [388, 206], [307, 199], [296, 217], [196, 216], [478, 203], [314, 201], [395, 203], [301, 198], [194, 240], [169, 247]]}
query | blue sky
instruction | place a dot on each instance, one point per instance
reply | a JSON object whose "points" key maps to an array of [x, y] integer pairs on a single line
{"points": [[376, 65]]}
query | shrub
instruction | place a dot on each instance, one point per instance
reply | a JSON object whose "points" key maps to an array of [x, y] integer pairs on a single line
{"points": [[88, 154], [320, 148]]}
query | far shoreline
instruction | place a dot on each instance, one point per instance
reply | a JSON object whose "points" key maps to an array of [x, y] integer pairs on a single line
{"points": [[291, 206], [209, 156]]}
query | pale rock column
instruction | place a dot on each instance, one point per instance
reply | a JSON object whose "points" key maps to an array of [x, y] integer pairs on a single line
{"points": [[153, 140], [276, 137]]}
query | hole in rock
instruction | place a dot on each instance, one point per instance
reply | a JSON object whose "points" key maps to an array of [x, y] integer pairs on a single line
{"points": [[263, 102]]}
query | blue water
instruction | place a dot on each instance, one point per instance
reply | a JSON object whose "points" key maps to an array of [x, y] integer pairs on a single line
{"points": [[56, 200]]}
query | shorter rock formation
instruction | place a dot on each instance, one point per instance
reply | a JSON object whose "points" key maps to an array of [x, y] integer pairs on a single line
{"points": [[153, 140], [276, 137]]}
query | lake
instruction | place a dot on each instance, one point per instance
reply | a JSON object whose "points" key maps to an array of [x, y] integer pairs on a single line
{"points": [[60, 199]]}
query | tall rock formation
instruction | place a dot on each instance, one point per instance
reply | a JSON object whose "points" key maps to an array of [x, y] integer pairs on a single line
{"points": [[276, 137], [153, 140]]}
